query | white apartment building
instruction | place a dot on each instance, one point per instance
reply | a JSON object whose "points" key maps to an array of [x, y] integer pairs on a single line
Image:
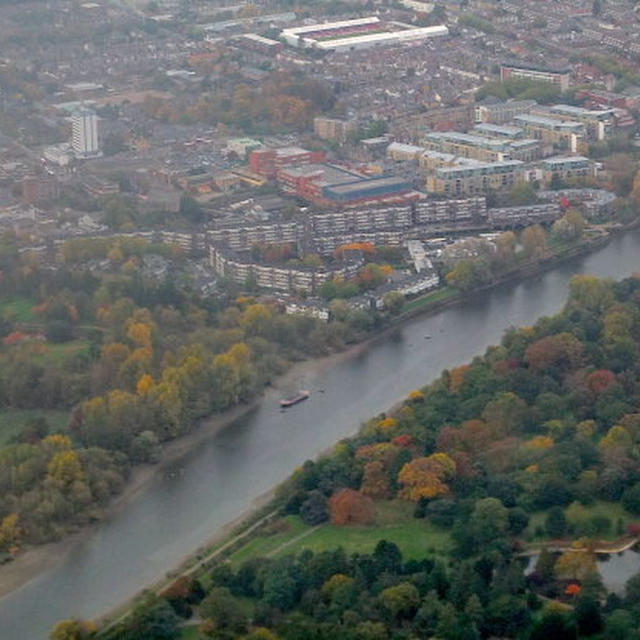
{"points": [[84, 140]]}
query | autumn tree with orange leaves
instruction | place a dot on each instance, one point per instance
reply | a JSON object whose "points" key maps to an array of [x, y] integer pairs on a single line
{"points": [[347, 506]]}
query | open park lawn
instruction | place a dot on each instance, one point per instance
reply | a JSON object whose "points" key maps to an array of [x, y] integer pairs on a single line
{"points": [[395, 523]]}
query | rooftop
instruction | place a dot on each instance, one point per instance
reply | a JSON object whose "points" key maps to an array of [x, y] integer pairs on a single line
{"points": [[369, 183], [501, 130], [565, 160], [548, 122]]}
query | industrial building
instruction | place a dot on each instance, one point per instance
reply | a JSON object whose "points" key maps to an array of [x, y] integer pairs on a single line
{"points": [[325, 184], [361, 33]]}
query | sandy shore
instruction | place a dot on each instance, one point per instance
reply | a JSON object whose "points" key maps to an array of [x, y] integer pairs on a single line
{"points": [[34, 561]]}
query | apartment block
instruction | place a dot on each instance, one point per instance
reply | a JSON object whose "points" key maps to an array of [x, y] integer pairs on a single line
{"points": [[334, 128], [476, 179], [559, 77], [502, 112]]}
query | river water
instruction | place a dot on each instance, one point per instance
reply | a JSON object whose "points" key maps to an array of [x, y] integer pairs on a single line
{"points": [[216, 482]]}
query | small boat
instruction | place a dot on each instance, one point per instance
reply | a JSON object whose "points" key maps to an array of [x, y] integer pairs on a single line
{"points": [[289, 402], [427, 337]]}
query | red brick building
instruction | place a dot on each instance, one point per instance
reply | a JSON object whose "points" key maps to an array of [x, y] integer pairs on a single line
{"points": [[267, 162]]}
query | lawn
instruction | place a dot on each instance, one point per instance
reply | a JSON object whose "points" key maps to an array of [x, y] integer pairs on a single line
{"points": [[430, 298], [395, 523], [20, 309], [55, 353], [190, 633], [12, 420]]}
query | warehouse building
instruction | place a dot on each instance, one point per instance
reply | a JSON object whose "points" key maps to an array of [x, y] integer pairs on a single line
{"points": [[330, 185]]}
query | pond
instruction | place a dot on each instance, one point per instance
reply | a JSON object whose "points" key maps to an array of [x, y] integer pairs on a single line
{"points": [[615, 568]]}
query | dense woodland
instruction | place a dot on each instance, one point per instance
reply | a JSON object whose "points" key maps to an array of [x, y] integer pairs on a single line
{"points": [[134, 362], [546, 423]]}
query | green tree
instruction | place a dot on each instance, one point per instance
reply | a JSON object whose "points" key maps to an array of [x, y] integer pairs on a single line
{"points": [[72, 630], [544, 565], [522, 194], [588, 615], [489, 519], [393, 302], [224, 610], [191, 210], [555, 523], [280, 587], [534, 240], [619, 626], [400, 600], [153, 619]]}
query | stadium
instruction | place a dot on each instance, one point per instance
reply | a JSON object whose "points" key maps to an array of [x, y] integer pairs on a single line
{"points": [[361, 33]]}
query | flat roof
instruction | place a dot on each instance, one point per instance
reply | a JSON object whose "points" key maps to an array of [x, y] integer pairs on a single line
{"points": [[466, 138], [501, 129], [549, 122], [256, 38], [323, 26], [564, 159], [579, 111], [290, 151], [531, 67], [401, 146], [524, 142], [450, 157], [505, 164], [391, 36], [368, 183], [327, 174], [506, 104]]}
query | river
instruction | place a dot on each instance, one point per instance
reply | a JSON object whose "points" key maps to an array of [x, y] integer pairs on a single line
{"points": [[218, 481]]}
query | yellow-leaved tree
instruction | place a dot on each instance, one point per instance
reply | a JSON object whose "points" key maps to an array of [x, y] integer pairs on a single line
{"points": [[426, 477]]}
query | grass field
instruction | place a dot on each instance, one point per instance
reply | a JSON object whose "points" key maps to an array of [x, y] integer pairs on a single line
{"points": [[430, 298], [395, 523], [20, 309], [53, 353], [190, 633], [12, 420]]}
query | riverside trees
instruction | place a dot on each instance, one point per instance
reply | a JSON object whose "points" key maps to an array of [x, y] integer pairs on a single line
{"points": [[146, 361]]}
